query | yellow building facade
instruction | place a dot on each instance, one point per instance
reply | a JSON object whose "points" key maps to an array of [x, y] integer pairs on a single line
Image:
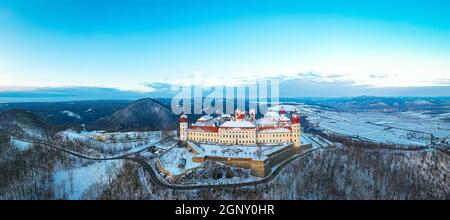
{"points": [[273, 128]]}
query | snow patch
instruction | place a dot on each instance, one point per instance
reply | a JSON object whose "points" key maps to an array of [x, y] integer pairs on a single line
{"points": [[71, 114], [21, 145], [74, 182], [172, 158]]}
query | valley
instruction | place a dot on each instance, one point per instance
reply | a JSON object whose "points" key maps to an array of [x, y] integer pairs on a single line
{"points": [[364, 154]]}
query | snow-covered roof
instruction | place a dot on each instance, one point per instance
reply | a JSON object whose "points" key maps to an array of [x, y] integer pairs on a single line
{"points": [[271, 114], [266, 121], [274, 130], [204, 128], [284, 118], [206, 123], [237, 124], [205, 118]]}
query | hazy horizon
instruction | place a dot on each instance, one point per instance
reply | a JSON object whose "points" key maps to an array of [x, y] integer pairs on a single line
{"points": [[91, 94]]}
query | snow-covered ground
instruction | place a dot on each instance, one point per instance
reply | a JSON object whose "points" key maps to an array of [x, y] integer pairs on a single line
{"points": [[314, 140], [123, 142], [237, 151], [35, 133], [71, 114], [405, 128], [21, 145], [289, 108], [114, 136], [173, 157], [199, 173], [71, 184]]}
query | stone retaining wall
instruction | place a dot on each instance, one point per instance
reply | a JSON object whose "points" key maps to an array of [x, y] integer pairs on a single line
{"points": [[259, 168], [162, 168]]}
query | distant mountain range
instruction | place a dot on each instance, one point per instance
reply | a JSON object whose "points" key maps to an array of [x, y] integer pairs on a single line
{"points": [[144, 114], [155, 114], [70, 113], [24, 124], [112, 115]]}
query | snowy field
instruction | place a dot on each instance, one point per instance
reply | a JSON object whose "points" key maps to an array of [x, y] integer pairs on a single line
{"points": [[405, 128], [71, 114], [73, 183], [165, 145], [314, 140], [123, 142], [114, 137], [21, 145], [288, 108]]}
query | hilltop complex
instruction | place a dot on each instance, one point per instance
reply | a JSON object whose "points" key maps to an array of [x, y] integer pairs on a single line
{"points": [[243, 129], [243, 140]]}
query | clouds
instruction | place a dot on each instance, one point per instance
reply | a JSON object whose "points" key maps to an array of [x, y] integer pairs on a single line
{"points": [[316, 84], [310, 84], [377, 80], [302, 88]]}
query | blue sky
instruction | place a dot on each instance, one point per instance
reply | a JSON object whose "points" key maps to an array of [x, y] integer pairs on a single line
{"points": [[129, 45]]}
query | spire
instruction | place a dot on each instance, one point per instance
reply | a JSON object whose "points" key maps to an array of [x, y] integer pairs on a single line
{"points": [[282, 111]]}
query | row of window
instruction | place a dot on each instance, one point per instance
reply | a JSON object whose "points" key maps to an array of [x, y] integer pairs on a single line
{"points": [[237, 136], [274, 135], [225, 141], [272, 141], [232, 141], [237, 131], [203, 139], [260, 136], [239, 142]]}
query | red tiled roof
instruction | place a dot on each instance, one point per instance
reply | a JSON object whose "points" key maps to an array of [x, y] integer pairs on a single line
{"points": [[183, 119], [204, 128], [295, 119]]}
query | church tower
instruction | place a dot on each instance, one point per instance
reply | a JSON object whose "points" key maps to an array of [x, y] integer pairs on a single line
{"points": [[296, 131], [184, 127], [252, 113], [239, 115]]}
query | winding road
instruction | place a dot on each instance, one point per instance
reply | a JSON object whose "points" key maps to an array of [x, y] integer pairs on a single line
{"points": [[158, 181], [74, 153]]}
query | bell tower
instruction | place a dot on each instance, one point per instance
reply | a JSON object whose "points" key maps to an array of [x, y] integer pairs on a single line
{"points": [[252, 113], [184, 127], [296, 131]]}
